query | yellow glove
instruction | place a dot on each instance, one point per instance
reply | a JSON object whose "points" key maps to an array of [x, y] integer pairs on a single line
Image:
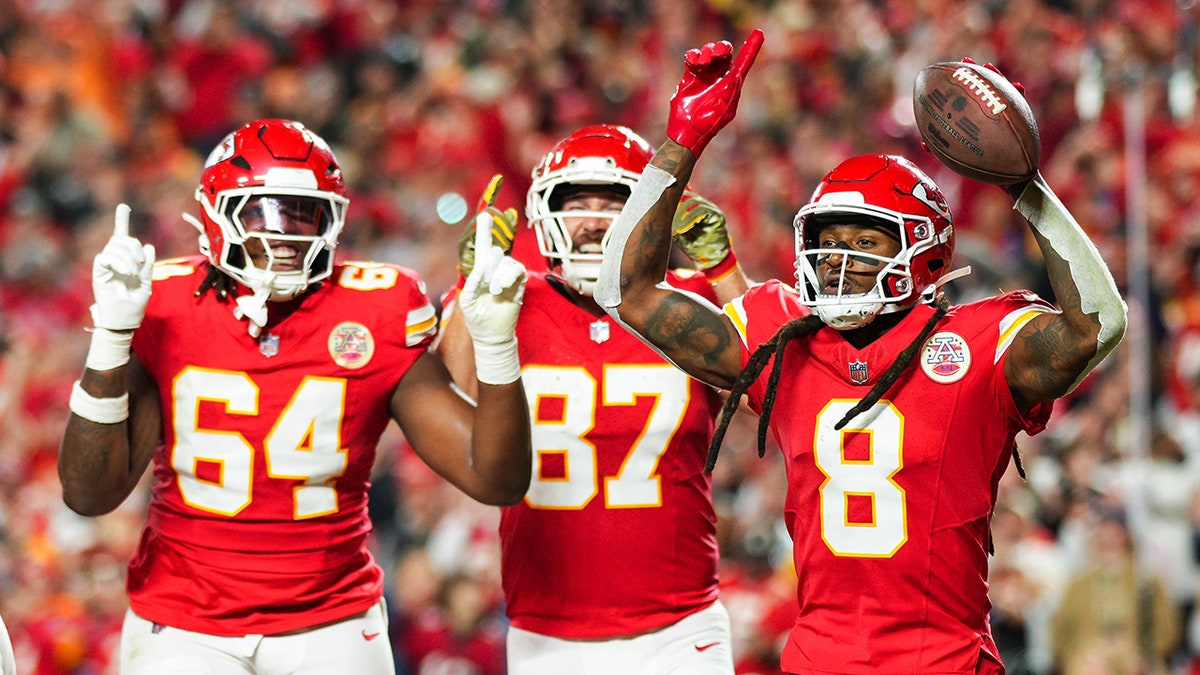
{"points": [[504, 227], [699, 229]]}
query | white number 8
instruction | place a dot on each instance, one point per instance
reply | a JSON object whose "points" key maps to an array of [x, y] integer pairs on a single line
{"points": [[869, 478]]}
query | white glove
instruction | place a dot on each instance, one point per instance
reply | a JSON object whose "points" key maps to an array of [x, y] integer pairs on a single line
{"points": [[121, 287], [121, 278], [491, 301]]}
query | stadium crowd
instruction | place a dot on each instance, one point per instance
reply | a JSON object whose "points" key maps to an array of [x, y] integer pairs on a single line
{"points": [[1097, 551]]}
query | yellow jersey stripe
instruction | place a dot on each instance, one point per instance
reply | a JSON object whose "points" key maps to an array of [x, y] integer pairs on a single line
{"points": [[737, 314], [1011, 324], [422, 322]]}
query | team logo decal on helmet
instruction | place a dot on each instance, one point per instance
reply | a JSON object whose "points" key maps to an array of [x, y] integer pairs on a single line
{"points": [[351, 345], [933, 198], [946, 357], [596, 156]]}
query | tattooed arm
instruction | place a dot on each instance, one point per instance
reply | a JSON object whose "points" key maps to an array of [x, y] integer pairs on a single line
{"points": [[686, 329], [694, 334], [1055, 351]]}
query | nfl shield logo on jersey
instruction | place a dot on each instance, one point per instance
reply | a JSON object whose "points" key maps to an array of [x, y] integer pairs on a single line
{"points": [[858, 372], [946, 357], [268, 345], [599, 331]]}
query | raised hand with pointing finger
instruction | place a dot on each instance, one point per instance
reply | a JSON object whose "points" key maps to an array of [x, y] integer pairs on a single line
{"points": [[121, 278], [707, 95], [491, 302], [503, 227]]}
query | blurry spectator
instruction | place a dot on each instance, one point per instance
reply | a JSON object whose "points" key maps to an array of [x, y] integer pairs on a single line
{"points": [[462, 633], [1164, 538], [212, 68], [1114, 617], [1011, 595], [759, 593]]}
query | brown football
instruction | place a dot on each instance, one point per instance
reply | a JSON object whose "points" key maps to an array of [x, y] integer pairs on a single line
{"points": [[976, 122]]}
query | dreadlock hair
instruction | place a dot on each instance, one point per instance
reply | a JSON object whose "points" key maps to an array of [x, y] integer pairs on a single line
{"points": [[898, 366], [1018, 462], [774, 347], [220, 283]]}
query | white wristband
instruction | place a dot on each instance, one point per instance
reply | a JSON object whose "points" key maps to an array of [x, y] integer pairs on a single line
{"points": [[99, 410], [109, 349], [497, 363]]}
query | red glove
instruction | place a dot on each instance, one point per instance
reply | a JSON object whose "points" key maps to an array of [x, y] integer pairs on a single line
{"points": [[707, 96]]}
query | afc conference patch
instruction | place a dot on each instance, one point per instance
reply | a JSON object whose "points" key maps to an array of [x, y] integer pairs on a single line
{"points": [[351, 345], [946, 357]]}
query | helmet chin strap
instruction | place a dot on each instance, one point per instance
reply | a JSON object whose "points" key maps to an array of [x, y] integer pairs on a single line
{"points": [[850, 315], [253, 307]]}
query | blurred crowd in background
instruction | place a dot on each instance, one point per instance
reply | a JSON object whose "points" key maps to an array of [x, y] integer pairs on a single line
{"points": [[1097, 550]]}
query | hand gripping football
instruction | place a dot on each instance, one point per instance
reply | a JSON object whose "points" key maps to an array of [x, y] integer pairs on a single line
{"points": [[976, 122]]}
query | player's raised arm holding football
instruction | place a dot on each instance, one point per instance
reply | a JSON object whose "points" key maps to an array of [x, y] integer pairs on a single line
{"points": [[898, 410], [1056, 350], [1052, 353]]}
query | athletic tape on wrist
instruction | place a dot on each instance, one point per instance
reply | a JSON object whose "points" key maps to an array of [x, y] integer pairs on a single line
{"points": [[497, 363], [99, 410], [1097, 291], [646, 193], [109, 349]]}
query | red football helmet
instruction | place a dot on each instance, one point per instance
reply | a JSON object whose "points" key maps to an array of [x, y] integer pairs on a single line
{"points": [[276, 185], [597, 155], [886, 191]]}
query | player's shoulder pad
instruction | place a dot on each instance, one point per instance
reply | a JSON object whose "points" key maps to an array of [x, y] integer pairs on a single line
{"points": [[1006, 303], [759, 312], [1006, 313], [379, 285]]}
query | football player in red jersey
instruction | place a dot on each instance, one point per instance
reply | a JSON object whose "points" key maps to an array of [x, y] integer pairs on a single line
{"points": [[896, 412], [261, 376], [609, 564]]}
